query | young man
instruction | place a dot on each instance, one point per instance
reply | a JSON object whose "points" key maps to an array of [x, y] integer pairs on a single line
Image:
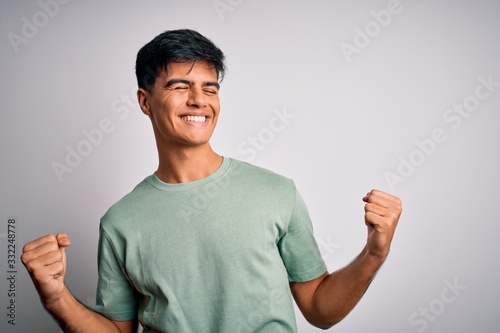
{"points": [[206, 243]]}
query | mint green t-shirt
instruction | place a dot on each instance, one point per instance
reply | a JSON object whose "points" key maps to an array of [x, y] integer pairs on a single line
{"points": [[212, 255]]}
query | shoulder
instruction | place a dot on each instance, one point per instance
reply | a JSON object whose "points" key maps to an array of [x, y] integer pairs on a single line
{"points": [[129, 205], [249, 170], [258, 177]]}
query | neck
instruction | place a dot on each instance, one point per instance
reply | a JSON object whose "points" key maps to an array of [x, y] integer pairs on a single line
{"points": [[187, 164]]}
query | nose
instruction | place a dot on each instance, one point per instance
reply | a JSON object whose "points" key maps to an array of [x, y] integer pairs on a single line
{"points": [[196, 98]]}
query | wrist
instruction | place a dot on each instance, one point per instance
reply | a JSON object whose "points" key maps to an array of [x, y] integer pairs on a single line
{"points": [[374, 259], [54, 304]]}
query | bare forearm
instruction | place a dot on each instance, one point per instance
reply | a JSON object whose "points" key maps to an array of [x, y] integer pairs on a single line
{"points": [[327, 299], [74, 317], [340, 291]]}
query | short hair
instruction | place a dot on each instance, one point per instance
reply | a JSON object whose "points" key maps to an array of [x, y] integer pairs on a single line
{"points": [[182, 45]]}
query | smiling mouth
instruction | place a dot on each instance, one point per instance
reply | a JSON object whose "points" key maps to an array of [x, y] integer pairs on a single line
{"points": [[195, 119]]}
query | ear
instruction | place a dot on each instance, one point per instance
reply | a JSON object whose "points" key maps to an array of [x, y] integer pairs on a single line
{"points": [[143, 97]]}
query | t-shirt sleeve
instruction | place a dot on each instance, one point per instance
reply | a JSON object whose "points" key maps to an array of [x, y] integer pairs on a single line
{"points": [[116, 297], [298, 247]]}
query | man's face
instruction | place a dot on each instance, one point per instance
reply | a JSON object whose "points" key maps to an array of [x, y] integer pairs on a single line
{"points": [[183, 104]]}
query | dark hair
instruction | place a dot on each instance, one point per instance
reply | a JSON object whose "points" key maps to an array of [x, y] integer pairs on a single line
{"points": [[175, 46]]}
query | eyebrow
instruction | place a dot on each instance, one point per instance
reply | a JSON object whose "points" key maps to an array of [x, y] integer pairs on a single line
{"points": [[205, 84]]}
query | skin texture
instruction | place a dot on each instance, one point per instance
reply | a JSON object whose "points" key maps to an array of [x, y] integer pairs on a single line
{"points": [[183, 93], [183, 147]]}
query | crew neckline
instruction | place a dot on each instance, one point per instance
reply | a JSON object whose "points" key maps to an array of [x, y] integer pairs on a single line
{"points": [[220, 172]]}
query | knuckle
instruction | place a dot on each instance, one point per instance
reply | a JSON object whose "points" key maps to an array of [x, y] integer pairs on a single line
{"points": [[26, 247], [394, 216], [24, 259], [399, 202], [53, 247]]}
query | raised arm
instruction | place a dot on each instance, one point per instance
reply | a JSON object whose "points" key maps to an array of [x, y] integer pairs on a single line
{"points": [[328, 299], [45, 260]]}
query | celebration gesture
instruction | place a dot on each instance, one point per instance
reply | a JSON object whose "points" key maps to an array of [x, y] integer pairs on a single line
{"points": [[382, 212], [45, 261]]}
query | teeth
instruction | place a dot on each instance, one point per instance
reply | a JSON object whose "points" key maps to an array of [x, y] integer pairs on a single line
{"points": [[198, 119]]}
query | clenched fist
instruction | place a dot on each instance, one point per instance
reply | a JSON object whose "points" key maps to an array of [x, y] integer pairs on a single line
{"points": [[382, 212], [45, 260]]}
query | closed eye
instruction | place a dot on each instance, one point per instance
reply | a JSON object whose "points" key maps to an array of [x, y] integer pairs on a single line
{"points": [[177, 84], [210, 91]]}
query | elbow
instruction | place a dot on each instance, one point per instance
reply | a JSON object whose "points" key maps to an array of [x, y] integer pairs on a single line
{"points": [[324, 325], [325, 318], [323, 322]]}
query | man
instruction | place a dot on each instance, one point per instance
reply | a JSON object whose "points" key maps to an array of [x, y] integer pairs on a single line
{"points": [[206, 243]]}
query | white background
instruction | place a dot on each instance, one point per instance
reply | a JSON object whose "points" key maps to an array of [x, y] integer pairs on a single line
{"points": [[356, 120]]}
